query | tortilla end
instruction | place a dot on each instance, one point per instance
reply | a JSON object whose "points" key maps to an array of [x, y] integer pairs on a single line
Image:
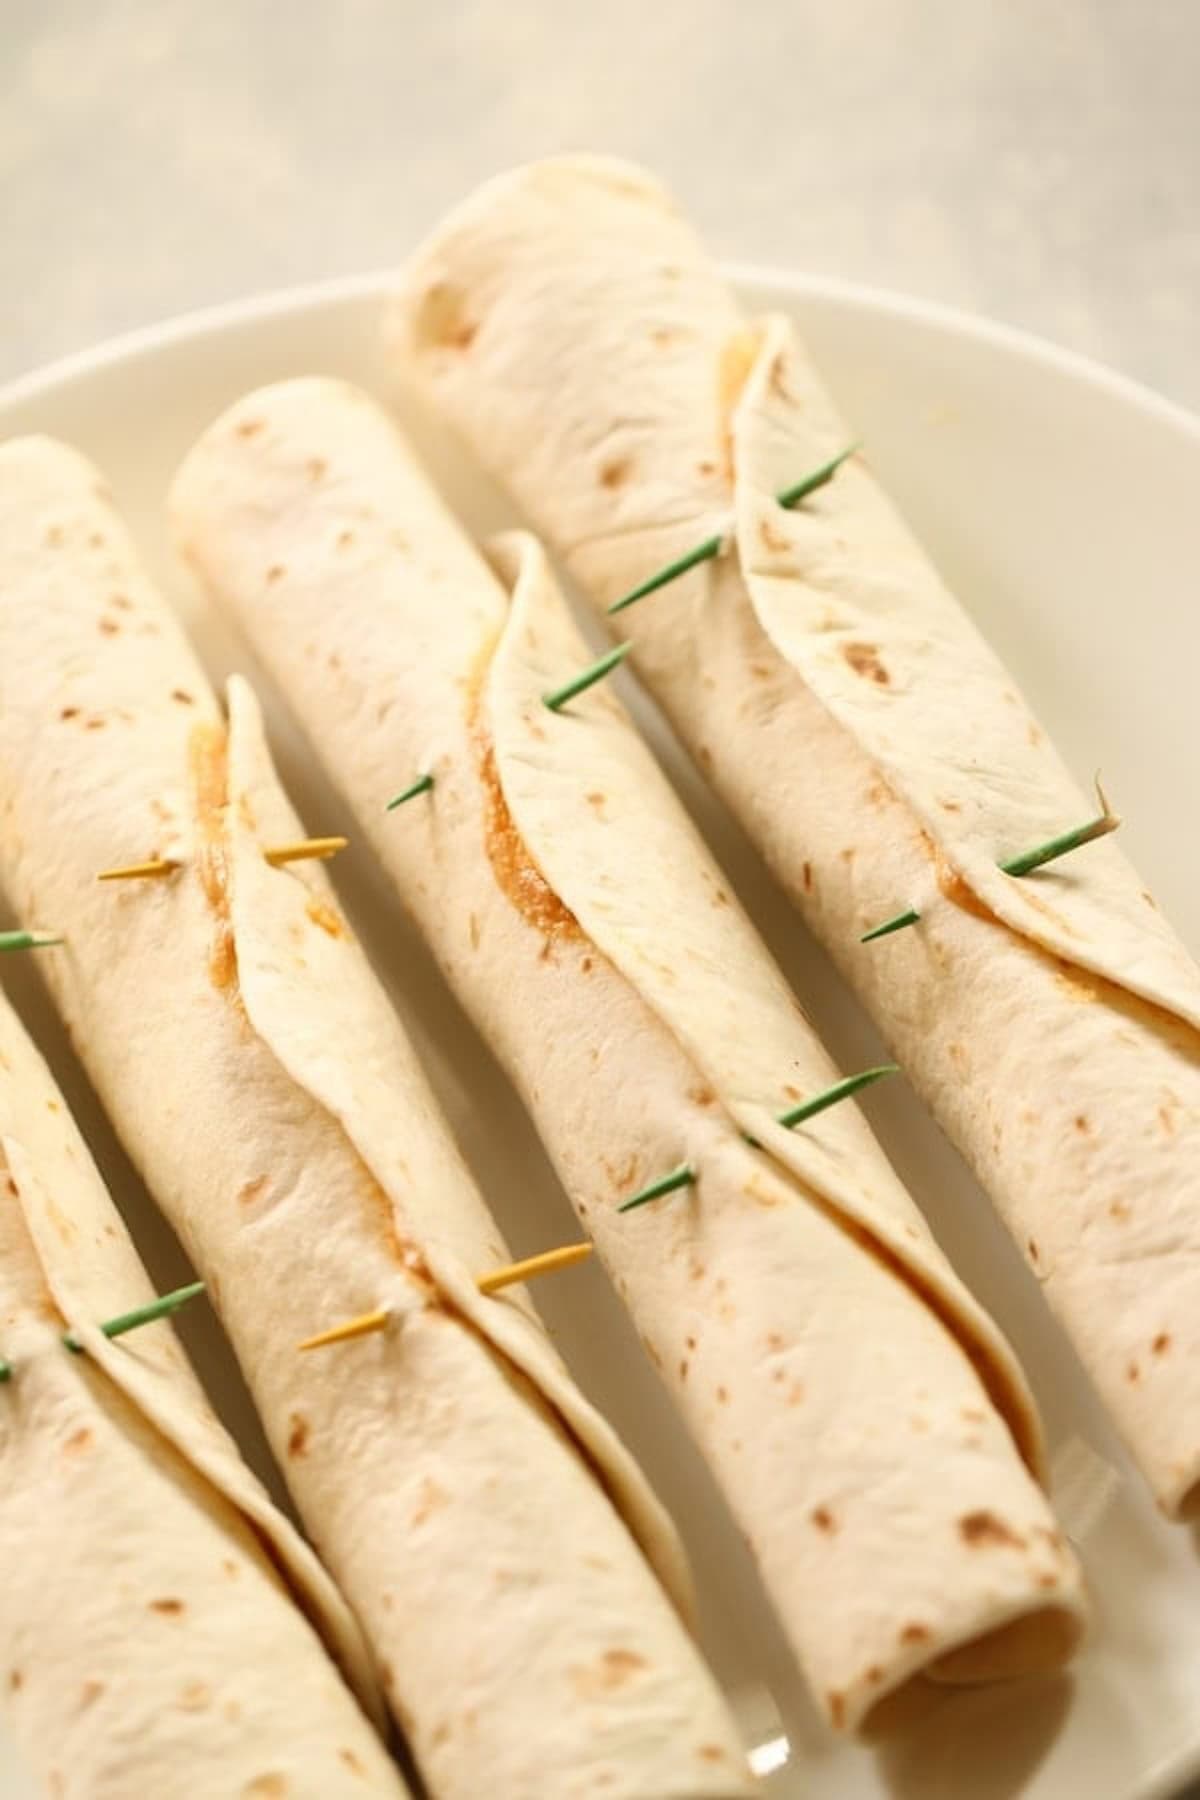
{"points": [[1036, 1643]]}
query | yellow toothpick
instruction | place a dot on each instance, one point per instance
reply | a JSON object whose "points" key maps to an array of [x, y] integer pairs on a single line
{"points": [[307, 849], [363, 1326], [143, 871], [544, 1264]]}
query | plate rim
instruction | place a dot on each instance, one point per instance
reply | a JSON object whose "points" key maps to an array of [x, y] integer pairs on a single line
{"points": [[860, 297]]}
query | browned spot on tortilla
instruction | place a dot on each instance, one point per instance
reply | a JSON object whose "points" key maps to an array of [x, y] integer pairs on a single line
{"points": [[823, 1519], [973, 1415], [795, 1393], [170, 1608], [613, 1669], [683, 1369], [316, 468], [722, 1396], [914, 1634], [1118, 1209], [651, 1350], [586, 965], [90, 1692], [711, 1753], [837, 1707], [95, 724], [69, 712], [958, 1055], [1166, 1119], [249, 1193], [720, 897], [704, 756], [1162, 1343], [78, 1441], [16, 1680], [248, 428], [734, 364], [55, 536], [663, 336], [690, 1340], [298, 1435], [325, 917], [597, 802], [275, 573], [473, 930], [1047, 1580], [1076, 984], [616, 472], [110, 627], [702, 1094], [864, 660], [183, 697], [1081, 1123], [1031, 1246], [430, 1499], [196, 1696], [1133, 1373], [984, 1528], [772, 538], [345, 539], [354, 1763], [230, 1567], [874, 1675], [266, 1787], [518, 878]]}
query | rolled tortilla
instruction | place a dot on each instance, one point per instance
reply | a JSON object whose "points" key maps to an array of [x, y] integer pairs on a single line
{"points": [[152, 1633], [866, 1420], [473, 1507], [572, 328]]}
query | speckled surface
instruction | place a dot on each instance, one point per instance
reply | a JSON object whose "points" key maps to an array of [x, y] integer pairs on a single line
{"points": [[1037, 160]]}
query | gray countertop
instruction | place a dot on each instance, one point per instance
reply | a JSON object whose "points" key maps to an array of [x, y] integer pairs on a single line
{"points": [[1036, 160]]}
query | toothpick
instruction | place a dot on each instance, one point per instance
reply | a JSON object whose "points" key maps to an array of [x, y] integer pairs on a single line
{"points": [[545, 1263], [885, 930], [681, 1177], [307, 850], [841, 1090], [162, 1308], [26, 940], [5, 1370], [1105, 822], [155, 870], [421, 785], [604, 665], [787, 497], [352, 1328]]}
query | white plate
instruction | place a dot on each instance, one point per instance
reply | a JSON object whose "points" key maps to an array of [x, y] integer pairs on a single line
{"points": [[1063, 505]]}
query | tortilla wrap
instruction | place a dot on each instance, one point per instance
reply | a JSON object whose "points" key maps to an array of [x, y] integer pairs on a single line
{"points": [[150, 1641], [866, 1421], [473, 1507], [569, 324]]}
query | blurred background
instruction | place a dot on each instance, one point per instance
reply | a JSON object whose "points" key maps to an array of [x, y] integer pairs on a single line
{"points": [[1036, 160]]}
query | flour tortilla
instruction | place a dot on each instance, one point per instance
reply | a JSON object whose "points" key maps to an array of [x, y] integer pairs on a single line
{"points": [[569, 324], [866, 1420], [153, 1636], [487, 1527]]}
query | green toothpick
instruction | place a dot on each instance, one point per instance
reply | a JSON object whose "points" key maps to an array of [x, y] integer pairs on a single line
{"points": [[702, 553], [162, 1308], [1105, 822], [26, 940], [711, 547], [421, 785], [885, 930], [841, 1090], [587, 677], [681, 1177], [5, 1371]]}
